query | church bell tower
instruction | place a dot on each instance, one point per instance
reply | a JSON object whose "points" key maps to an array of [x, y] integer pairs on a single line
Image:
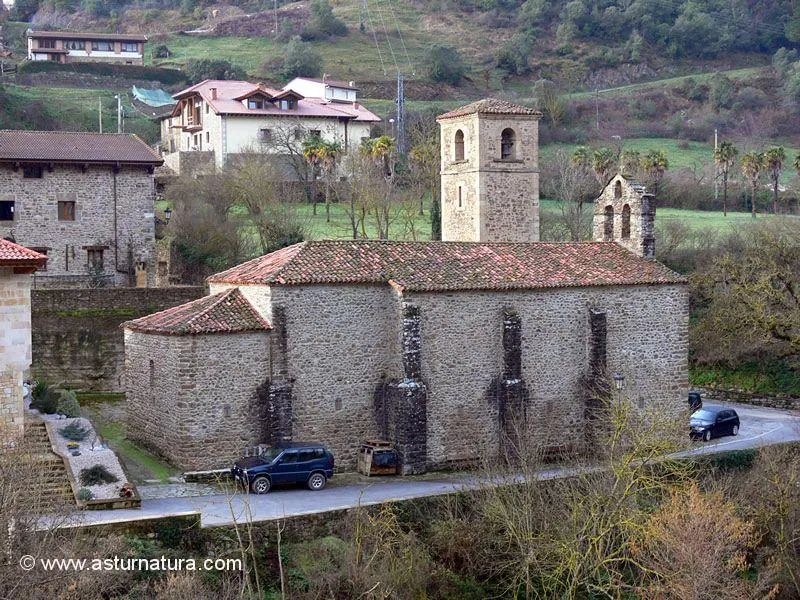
{"points": [[490, 173]]}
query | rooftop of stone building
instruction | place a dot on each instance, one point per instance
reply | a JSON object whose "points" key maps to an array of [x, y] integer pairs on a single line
{"points": [[225, 312], [491, 106], [75, 147], [451, 266], [14, 255]]}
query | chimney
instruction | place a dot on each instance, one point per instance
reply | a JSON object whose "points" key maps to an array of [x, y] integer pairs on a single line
{"points": [[213, 93], [355, 105], [352, 83]]}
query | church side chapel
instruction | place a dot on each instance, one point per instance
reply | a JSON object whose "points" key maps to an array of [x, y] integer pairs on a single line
{"points": [[439, 347]]}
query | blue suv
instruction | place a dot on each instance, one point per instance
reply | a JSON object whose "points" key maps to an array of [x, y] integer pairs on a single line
{"points": [[287, 463]]}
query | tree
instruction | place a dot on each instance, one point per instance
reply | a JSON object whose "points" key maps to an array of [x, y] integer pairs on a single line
{"points": [[654, 165], [322, 155], [324, 23], [725, 157], [630, 162], [773, 162], [424, 162], [301, 60], [204, 68], [573, 188], [748, 298], [603, 162], [549, 101], [721, 92], [752, 163], [444, 64]]}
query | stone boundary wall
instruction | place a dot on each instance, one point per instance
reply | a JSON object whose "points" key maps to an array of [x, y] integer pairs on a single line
{"points": [[77, 339], [756, 399]]}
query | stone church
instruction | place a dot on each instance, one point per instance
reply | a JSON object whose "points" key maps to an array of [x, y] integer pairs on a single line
{"points": [[440, 347]]}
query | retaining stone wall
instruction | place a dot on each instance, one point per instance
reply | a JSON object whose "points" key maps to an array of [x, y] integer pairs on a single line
{"points": [[77, 340], [756, 399], [15, 348]]}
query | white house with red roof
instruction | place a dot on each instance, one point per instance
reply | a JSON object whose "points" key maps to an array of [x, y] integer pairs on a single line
{"points": [[228, 118], [16, 265], [451, 350]]}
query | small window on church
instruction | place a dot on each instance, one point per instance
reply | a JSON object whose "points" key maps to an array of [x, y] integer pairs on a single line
{"points": [[618, 190], [626, 222], [459, 145], [460, 198], [152, 373], [608, 224], [507, 140]]}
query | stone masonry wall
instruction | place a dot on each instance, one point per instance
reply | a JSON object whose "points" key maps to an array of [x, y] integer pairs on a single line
{"points": [[15, 348], [36, 222], [462, 351], [641, 240], [77, 338], [209, 413], [342, 343]]}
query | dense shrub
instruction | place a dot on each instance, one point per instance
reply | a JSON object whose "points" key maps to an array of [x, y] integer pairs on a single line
{"points": [[74, 432], [68, 404], [44, 397], [165, 76], [85, 494], [324, 23], [301, 60], [97, 475], [205, 68], [443, 64]]}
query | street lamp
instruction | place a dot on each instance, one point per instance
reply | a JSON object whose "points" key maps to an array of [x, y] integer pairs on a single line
{"points": [[167, 214], [619, 382], [391, 122]]}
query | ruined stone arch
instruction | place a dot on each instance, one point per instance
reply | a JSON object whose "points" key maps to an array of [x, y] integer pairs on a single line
{"points": [[608, 224], [458, 145], [508, 142], [626, 222]]}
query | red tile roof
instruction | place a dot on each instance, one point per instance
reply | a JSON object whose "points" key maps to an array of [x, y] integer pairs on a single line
{"points": [[491, 106], [75, 147], [85, 35], [228, 91], [442, 266], [14, 255], [225, 312]]}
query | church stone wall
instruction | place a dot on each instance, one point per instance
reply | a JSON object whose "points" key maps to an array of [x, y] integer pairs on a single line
{"points": [[342, 343], [462, 357], [193, 399]]}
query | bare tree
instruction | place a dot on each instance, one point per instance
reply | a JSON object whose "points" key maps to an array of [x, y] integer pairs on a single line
{"points": [[573, 187]]}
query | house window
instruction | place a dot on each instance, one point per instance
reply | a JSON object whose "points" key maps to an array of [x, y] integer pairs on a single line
{"points": [[6, 210], [47, 43], [102, 46], [94, 258], [626, 222], [299, 134], [32, 171], [66, 210], [608, 224], [288, 104], [459, 145], [507, 139], [130, 47], [74, 45], [40, 250], [264, 135], [255, 103], [618, 190]]}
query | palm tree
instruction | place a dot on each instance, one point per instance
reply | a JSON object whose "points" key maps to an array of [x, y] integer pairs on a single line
{"points": [[629, 162], [603, 162], [725, 157], [752, 163], [773, 162], [655, 164], [322, 155], [796, 164]]}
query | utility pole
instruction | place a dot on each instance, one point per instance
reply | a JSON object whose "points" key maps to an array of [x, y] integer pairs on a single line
{"points": [[275, 12], [401, 120], [119, 112], [363, 16], [100, 113], [716, 169], [597, 109]]}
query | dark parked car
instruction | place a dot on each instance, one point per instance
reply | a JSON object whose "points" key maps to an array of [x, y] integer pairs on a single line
{"points": [[695, 401], [713, 422], [289, 463]]}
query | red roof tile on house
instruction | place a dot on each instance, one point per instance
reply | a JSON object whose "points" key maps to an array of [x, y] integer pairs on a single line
{"points": [[227, 93], [14, 255], [75, 147], [444, 266], [491, 106], [225, 312], [85, 35]]}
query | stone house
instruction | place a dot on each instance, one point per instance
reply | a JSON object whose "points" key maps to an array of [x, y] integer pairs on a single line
{"points": [[82, 46], [86, 200], [16, 265], [216, 121], [444, 348]]}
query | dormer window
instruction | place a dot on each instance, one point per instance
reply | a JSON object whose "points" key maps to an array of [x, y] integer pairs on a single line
{"points": [[255, 103], [288, 104]]}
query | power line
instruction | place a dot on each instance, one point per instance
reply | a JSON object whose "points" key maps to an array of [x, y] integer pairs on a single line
{"points": [[375, 36], [386, 33], [400, 35]]}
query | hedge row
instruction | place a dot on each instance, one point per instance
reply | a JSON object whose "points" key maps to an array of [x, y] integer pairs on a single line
{"points": [[165, 76]]}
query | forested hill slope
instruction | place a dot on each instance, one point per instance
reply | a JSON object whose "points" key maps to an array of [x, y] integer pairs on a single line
{"points": [[494, 43]]}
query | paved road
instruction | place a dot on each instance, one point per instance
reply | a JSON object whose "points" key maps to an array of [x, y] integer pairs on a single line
{"points": [[759, 427]]}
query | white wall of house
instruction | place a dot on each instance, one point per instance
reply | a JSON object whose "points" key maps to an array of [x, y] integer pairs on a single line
{"points": [[317, 89]]}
